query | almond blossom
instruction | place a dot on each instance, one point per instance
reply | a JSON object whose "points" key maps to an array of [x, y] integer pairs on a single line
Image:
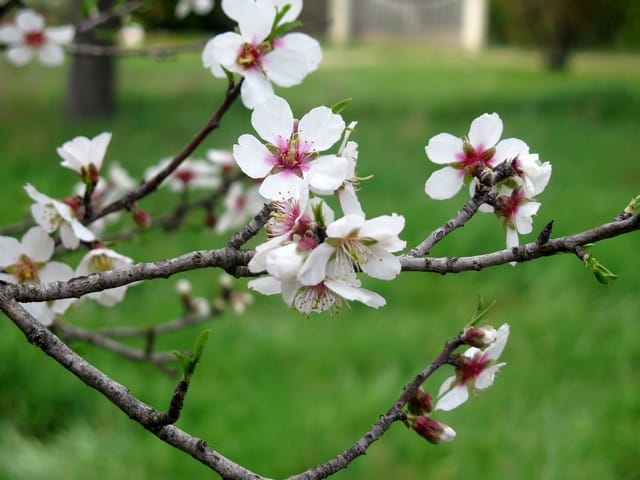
{"points": [[190, 174], [27, 262], [100, 260], [240, 204], [85, 155], [28, 37], [253, 53], [475, 372], [53, 215], [292, 152], [464, 156]]}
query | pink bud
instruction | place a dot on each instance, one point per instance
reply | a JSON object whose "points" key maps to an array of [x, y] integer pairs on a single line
{"points": [[432, 430], [141, 217], [421, 403], [479, 337]]}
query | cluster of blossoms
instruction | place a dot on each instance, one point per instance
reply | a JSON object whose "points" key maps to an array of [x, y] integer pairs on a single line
{"points": [[27, 37], [475, 371], [468, 159], [312, 258]]}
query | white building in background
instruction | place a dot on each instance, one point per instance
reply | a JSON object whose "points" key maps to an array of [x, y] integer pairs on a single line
{"points": [[453, 22]]}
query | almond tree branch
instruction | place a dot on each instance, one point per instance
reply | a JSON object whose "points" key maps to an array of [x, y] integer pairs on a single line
{"points": [[91, 50], [119, 395], [233, 260], [128, 199], [103, 17]]}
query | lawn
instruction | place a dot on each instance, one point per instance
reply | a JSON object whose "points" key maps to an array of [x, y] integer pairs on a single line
{"points": [[279, 392]]}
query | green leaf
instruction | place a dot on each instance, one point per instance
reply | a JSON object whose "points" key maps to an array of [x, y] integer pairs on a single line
{"points": [[341, 105], [189, 364], [281, 30], [602, 273], [634, 206]]}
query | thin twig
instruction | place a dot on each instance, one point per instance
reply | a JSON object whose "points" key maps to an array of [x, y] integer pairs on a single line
{"points": [[103, 17]]}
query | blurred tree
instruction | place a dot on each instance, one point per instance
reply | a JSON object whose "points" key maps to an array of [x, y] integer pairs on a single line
{"points": [[560, 26]]}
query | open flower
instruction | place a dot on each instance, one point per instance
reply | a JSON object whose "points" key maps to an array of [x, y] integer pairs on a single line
{"points": [[292, 153], [85, 156], [52, 215], [28, 37], [260, 59], [190, 174], [357, 243], [240, 204], [464, 156], [476, 372], [27, 262], [102, 260]]}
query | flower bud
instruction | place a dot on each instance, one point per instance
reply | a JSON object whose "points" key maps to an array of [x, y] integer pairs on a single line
{"points": [[421, 403], [141, 217], [183, 287], [479, 337], [432, 430]]}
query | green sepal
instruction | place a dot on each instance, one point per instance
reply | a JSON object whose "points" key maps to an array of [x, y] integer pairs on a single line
{"points": [[341, 105], [189, 363], [603, 274]]}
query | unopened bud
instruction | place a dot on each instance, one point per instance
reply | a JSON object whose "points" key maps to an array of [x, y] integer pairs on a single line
{"points": [[432, 430], [421, 403], [225, 281], [479, 337], [183, 287], [141, 217]]}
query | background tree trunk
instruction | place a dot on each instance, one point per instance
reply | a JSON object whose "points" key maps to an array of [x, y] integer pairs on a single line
{"points": [[91, 91]]}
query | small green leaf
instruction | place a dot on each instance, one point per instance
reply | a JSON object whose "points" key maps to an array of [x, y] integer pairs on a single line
{"points": [[283, 29], [338, 107], [602, 273], [189, 364], [634, 206], [202, 340], [185, 362]]}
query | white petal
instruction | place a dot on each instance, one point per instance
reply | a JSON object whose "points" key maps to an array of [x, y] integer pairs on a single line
{"points": [[273, 120], [284, 262], [349, 200], [523, 217], [385, 229], [99, 146], [280, 186], [444, 149], [485, 130], [255, 23], [512, 238], [20, 55], [60, 35], [487, 376], [326, 174], [315, 266], [202, 7], [494, 350], [446, 385], [222, 50], [444, 183], [68, 237], [29, 21], [265, 285], [10, 251], [10, 35], [285, 67], [382, 264], [51, 55], [453, 398], [305, 46], [255, 89], [55, 272], [252, 156], [509, 149], [75, 153], [37, 244], [46, 216], [321, 128], [82, 232], [350, 292], [345, 226]]}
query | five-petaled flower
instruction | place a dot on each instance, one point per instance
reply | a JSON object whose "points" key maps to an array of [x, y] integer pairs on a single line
{"points": [[28, 37], [85, 155], [475, 372], [255, 55], [28, 262], [100, 260], [292, 153]]}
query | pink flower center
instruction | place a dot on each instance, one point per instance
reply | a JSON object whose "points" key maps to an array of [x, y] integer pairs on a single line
{"points": [[34, 39], [293, 156], [251, 55], [472, 367], [185, 174], [472, 157], [508, 206]]}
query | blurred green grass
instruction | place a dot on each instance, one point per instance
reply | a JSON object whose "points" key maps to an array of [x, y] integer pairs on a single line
{"points": [[279, 392]]}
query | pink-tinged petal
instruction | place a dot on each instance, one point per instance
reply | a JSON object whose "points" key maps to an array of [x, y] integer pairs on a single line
{"points": [[68, 237], [321, 128], [255, 89], [494, 350], [37, 244], [10, 251], [382, 264], [485, 130], [10, 34], [327, 174], [252, 156], [45, 216], [273, 120], [20, 55], [60, 35], [487, 376], [255, 23], [305, 46], [50, 55], [453, 398], [222, 50], [349, 200], [444, 183], [509, 149], [285, 67], [280, 186], [444, 149], [265, 285], [29, 21], [314, 268], [350, 292], [345, 226], [385, 229]]}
